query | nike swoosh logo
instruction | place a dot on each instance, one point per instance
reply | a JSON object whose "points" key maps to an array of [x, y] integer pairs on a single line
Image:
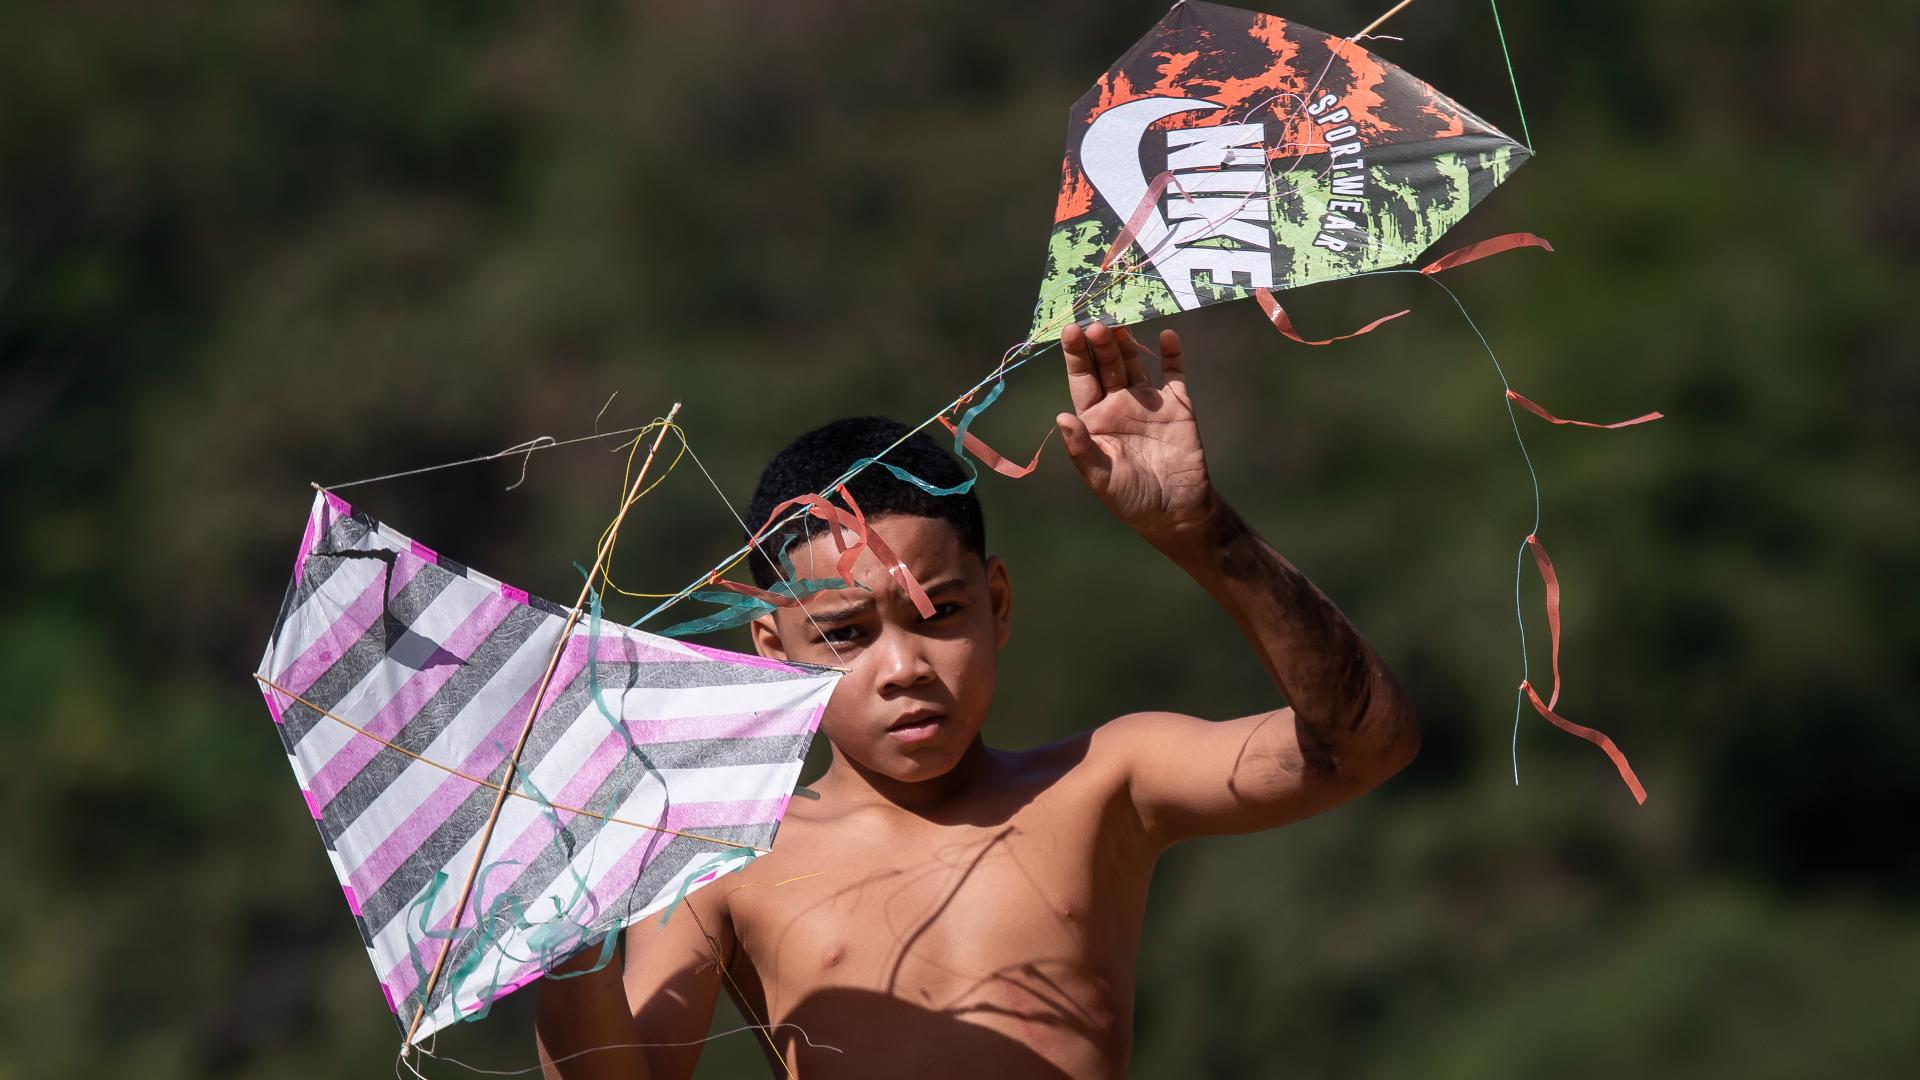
{"points": [[1110, 155]]}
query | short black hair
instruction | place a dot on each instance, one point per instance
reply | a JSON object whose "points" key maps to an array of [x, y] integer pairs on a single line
{"points": [[815, 460]]}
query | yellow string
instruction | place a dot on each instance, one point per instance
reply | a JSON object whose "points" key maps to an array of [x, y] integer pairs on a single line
{"points": [[606, 573], [606, 570]]}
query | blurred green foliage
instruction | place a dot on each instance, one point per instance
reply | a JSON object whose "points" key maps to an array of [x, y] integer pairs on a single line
{"points": [[243, 246]]}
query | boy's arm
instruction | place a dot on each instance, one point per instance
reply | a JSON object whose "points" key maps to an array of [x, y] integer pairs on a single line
{"points": [[1349, 726], [589, 1027]]}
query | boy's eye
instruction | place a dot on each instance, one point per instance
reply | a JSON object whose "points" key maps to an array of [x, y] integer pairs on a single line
{"points": [[941, 611], [840, 635]]}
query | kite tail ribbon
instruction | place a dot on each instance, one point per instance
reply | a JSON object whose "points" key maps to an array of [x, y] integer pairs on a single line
{"points": [[1518, 399], [965, 440], [851, 536], [1490, 246], [1149, 202], [1545, 708], [1277, 315]]}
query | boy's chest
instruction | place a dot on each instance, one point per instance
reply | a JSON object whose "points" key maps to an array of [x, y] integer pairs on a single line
{"points": [[1034, 915]]}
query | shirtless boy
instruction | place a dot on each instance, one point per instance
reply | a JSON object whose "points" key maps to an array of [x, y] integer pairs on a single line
{"points": [[947, 909]]}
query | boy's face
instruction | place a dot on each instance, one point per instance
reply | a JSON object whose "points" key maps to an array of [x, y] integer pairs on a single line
{"points": [[916, 690]]}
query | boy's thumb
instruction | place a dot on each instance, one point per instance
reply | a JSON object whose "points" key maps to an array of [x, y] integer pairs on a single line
{"points": [[1073, 432]]}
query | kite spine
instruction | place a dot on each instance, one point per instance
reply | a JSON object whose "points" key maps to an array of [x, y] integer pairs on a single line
{"points": [[513, 762]]}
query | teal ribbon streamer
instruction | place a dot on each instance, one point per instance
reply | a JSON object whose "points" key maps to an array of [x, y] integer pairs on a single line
{"points": [[738, 610], [959, 450]]}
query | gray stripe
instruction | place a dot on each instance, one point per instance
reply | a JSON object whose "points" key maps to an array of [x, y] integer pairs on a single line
{"points": [[616, 679], [411, 876], [342, 535], [403, 886], [407, 879], [405, 883], [365, 654], [424, 726], [708, 753], [686, 674], [667, 863], [545, 869]]}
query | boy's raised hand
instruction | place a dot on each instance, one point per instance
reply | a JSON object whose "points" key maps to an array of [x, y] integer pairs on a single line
{"points": [[1136, 444]]}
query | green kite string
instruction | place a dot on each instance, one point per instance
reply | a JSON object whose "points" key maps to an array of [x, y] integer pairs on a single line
{"points": [[1508, 57]]}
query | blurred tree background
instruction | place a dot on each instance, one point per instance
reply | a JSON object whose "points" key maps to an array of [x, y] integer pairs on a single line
{"points": [[245, 246]]}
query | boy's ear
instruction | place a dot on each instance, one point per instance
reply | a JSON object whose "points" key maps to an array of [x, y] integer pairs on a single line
{"points": [[766, 638], [1000, 594]]}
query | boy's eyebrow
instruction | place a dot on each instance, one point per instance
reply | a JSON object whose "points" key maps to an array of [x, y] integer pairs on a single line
{"points": [[858, 607], [861, 607], [945, 584]]}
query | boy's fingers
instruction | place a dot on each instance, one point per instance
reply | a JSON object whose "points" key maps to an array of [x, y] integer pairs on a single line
{"points": [[1130, 357], [1173, 365], [1086, 454], [1083, 382], [1106, 357]]}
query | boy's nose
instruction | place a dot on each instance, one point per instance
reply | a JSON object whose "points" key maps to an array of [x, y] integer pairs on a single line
{"points": [[904, 661]]}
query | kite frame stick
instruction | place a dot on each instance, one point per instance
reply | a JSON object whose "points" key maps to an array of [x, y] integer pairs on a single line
{"points": [[490, 786], [513, 762], [1375, 24]]}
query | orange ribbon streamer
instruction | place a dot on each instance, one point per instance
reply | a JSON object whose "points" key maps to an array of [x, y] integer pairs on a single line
{"points": [[1545, 708], [1148, 204], [1515, 397], [1277, 315], [993, 459], [1491, 246], [1594, 737], [1552, 582], [864, 539], [897, 569]]}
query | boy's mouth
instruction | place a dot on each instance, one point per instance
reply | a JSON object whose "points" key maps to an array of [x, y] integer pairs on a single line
{"points": [[916, 726]]}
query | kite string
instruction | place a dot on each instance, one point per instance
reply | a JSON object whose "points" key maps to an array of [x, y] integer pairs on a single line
{"points": [[1375, 24], [1508, 57], [792, 582], [451, 1060], [1010, 361], [1519, 557], [739, 996], [527, 448]]}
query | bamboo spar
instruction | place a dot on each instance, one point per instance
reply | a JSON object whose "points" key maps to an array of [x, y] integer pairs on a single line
{"points": [[631, 496], [1375, 24]]}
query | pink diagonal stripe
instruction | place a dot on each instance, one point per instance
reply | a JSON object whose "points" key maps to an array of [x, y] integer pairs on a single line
{"points": [[307, 538], [487, 754], [743, 659], [405, 704], [707, 815], [335, 640], [492, 750], [405, 565], [415, 830]]}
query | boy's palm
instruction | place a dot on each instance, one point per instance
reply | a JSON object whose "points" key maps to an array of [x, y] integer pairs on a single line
{"points": [[1136, 444]]}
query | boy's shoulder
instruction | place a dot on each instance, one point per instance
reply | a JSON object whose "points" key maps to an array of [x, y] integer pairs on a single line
{"points": [[1091, 768]]}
